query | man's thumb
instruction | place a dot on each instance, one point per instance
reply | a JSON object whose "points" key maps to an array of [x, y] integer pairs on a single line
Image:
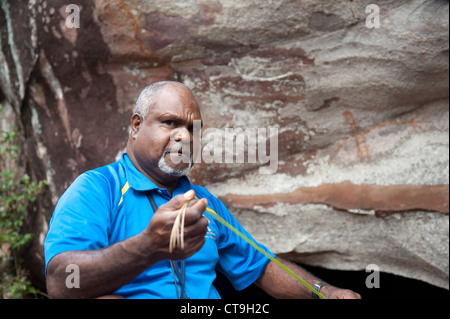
{"points": [[178, 201], [189, 195]]}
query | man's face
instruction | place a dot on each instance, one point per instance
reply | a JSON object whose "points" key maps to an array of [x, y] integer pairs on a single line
{"points": [[163, 142]]}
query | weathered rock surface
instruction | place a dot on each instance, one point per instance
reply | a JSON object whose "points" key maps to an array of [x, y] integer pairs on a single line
{"points": [[362, 113]]}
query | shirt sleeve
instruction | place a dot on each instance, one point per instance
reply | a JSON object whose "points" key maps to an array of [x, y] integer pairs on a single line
{"points": [[81, 220], [240, 262]]}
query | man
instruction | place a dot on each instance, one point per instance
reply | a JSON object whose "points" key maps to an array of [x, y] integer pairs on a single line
{"points": [[106, 226]]}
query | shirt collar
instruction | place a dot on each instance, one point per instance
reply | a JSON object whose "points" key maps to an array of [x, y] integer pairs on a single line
{"points": [[140, 182]]}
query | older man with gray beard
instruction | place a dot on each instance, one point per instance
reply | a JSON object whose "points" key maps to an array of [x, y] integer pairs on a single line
{"points": [[114, 223]]}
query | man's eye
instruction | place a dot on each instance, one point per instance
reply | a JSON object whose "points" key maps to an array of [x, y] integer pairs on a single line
{"points": [[169, 123]]}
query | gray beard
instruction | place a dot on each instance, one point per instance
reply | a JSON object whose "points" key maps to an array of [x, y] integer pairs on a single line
{"points": [[162, 165]]}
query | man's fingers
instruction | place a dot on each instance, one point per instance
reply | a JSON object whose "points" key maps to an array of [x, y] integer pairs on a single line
{"points": [[199, 228], [178, 201], [194, 212]]}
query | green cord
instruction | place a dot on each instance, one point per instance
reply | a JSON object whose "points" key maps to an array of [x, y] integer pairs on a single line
{"points": [[237, 232]]}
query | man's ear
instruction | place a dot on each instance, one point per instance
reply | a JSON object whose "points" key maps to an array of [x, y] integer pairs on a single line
{"points": [[136, 122]]}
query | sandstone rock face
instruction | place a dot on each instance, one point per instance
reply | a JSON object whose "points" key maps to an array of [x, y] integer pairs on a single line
{"points": [[360, 114]]}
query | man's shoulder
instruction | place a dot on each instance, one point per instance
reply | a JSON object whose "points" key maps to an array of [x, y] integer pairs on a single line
{"points": [[103, 183], [105, 176], [109, 171]]}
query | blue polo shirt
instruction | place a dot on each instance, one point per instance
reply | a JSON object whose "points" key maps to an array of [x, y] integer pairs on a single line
{"points": [[109, 204]]}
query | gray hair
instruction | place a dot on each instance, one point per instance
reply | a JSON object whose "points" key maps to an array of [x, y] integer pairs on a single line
{"points": [[148, 96]]}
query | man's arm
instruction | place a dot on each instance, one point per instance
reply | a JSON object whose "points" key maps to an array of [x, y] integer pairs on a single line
{"points": [[279, 284], [105, 270], [101, 271]]}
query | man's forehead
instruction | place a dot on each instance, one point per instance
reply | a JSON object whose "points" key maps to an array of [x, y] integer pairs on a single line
{"points": [[175, 100]]}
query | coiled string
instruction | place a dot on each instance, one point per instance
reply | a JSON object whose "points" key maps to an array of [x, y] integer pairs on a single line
{"points": [[176, 239]]}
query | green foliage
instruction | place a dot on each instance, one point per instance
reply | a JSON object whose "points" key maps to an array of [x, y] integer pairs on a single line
{"points": [[17, 191]]}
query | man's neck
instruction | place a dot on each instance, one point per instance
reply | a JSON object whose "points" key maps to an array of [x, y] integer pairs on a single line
{"points": [[169, 185]]}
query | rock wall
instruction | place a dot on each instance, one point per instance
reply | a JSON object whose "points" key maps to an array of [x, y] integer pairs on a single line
{"points": [[362, 114]]}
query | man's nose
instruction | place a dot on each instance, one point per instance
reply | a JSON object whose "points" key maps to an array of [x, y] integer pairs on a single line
{"points": [[181, 135]]}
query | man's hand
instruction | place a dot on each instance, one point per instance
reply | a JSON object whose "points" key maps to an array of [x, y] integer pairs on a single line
{"points": [[331, 292], [156, 237]]}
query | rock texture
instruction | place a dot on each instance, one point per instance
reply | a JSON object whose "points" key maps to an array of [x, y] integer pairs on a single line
{"points": [[362, 113]]}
